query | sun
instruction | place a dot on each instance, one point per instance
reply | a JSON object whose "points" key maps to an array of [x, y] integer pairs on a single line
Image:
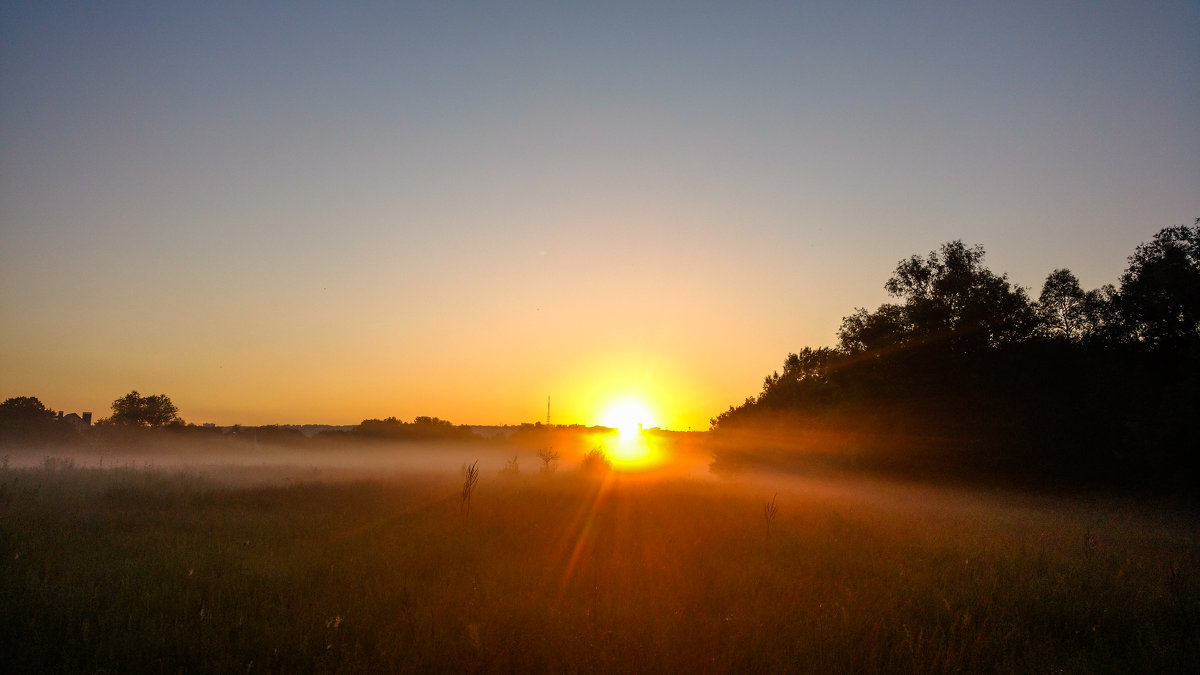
{"points": [[629, 416], [629, 448]]}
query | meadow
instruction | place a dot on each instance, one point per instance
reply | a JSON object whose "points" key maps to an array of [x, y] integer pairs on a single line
{"points": [[134, 568]]}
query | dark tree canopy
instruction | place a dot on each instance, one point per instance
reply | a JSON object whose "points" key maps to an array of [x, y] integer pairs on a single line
{"points": [[1067, 312], [136, 410], [1160, 291], [422, 427], [24, 410], [963, 373], [25, 419], [23, 416], [1062, 305], [948, 296]]}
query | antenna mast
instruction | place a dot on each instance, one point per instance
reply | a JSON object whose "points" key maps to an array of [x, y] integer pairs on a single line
{"points": [[547, 411]]}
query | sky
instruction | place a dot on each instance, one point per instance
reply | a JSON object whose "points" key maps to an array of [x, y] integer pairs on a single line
{"points": [[284, 213]]}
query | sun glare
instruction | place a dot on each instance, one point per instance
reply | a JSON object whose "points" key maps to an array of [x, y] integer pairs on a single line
{"points": [[628, 416], [630, 449]]}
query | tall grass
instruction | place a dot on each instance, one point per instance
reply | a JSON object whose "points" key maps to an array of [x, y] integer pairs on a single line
{"points": [[470, 475], [136, 571], [770, 510]]}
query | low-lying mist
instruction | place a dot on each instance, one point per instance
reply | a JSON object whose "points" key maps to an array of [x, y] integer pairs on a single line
{"points": [[238, 460]]}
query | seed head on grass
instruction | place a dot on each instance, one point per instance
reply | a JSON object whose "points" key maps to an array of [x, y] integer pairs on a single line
{"points": [[770, 510], [470, 478]]}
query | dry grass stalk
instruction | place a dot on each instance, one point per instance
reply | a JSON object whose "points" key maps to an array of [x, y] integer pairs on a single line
{"points": [[470, 478]]}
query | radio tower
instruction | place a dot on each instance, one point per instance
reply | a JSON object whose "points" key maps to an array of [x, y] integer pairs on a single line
{"points": [[547, 411]]}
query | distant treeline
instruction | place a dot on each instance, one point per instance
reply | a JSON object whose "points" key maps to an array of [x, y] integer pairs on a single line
{"points": [[26, 422], [965, 374]]}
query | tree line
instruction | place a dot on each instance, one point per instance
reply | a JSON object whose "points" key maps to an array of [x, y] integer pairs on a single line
{"points": [[25, 420], [965, 373], [136, 418]]}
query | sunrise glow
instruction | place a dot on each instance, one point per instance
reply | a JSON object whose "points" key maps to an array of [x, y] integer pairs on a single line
{"points": [[629, 448], [631, 451], [629, 416]]}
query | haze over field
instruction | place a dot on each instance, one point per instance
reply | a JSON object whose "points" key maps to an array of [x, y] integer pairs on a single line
{"points": [[282, 214], [296, 569]]}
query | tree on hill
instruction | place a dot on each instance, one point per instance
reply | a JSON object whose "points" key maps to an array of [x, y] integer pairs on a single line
{"points": [[135, 410]]}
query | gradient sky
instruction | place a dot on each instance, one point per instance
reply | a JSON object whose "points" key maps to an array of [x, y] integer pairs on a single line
{"points": [[323, 212]]}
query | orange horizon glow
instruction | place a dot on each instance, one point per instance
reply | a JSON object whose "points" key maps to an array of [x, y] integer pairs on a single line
{"points": [[637, 451], [629, 415], [630, 448]]}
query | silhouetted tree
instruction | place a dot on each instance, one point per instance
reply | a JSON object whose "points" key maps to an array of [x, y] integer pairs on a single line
{"points": [[549, 459], [387, 427], [1160, 291], [277, 434], [136, 410], [963, 375], [883, 330], [949, 297], [1102, 318], [1062, 305], [25, 411], [1070, 313], [25, 417], [422, 427], [805, 382]]}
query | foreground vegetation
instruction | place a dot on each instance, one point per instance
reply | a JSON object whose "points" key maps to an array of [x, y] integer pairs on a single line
{"points": [[134, 570]]}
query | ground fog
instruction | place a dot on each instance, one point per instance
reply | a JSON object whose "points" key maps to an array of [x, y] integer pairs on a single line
{"points": [[366, 560]]}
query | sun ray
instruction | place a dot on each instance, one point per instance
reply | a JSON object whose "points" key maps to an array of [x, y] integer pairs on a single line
{"points": [[585, 536]]}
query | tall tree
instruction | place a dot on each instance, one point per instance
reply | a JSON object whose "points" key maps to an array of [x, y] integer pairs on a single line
{"points": [[1062, 305], [1160, 291], [948, 296]]}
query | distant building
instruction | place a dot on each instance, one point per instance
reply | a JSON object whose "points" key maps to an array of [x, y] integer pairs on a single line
{"points": [[80, 422]]}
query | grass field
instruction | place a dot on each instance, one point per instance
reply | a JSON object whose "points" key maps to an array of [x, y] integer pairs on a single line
{"points": [[155, 570]]}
